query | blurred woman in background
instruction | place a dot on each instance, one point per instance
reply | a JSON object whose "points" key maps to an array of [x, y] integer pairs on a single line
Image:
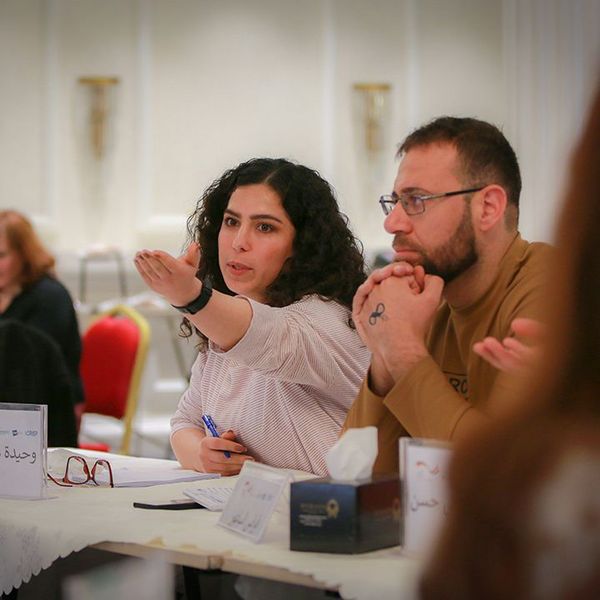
{"points": [[31, 294]]}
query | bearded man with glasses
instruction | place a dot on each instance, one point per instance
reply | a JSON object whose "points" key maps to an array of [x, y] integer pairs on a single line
{"points": [[461, 273]]}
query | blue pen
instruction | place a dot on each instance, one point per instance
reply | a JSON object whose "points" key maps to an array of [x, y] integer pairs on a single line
{"points": [[213, 431]]}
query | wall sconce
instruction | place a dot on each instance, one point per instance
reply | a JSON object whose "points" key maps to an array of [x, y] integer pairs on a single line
{"points": [[95, 129], [100, 103], [371, 112], [373, 108]]}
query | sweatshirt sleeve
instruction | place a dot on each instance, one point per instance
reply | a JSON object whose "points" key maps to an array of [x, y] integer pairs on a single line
{"points": [[369, 409], [427, 405]]}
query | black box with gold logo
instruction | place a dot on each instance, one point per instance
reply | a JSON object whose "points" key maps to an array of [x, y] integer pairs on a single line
{"points": [[345, 517]]}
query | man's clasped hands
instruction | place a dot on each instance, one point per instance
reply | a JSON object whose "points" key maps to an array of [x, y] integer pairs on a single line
{"points": [[393, 311]]}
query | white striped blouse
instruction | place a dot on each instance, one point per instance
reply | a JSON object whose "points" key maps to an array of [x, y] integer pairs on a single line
{"points": [[285, 387]]}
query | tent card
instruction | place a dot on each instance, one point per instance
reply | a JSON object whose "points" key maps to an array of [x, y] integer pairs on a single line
{"points": [[253, 500], [23, 430], [424, 475]]}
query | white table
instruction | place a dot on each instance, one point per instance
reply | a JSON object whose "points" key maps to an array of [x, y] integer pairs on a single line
{"points": [[36, 533]]}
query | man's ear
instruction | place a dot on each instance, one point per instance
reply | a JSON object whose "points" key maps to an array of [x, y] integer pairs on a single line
{"points": [[491, 207]]}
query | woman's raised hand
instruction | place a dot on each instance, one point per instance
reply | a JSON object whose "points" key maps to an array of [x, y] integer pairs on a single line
{"points": [[173, 278]]}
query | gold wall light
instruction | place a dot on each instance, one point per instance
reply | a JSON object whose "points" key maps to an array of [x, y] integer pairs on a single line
{"points": [[99, 88], [374, 108]]}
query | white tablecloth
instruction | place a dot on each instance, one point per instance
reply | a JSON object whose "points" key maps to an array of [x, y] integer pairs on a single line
{"points": [[35, 533]]}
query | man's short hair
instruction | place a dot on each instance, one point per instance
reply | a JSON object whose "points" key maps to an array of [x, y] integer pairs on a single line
{"points": [[486, 156]]}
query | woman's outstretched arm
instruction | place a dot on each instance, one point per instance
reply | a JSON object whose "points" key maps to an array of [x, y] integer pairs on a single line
{"points": [[224, 320]]}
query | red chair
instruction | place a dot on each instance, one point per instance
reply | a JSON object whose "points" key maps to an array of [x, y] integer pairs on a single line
{"points": [[113, 358]]}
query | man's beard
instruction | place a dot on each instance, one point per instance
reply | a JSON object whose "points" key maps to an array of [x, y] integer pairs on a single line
{"points": [[453, 257]]}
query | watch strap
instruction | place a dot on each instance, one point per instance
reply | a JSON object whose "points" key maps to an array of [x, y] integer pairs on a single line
{"points": [[198, 303]]}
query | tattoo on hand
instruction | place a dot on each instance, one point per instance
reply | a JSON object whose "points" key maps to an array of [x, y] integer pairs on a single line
{"points": [[377, 314]]}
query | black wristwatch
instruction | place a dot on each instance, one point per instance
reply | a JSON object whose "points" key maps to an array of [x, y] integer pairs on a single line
{"points": [[198, 303]]}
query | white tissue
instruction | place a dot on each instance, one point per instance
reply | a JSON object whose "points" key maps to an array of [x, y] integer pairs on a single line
{"points": [[353, 455]]}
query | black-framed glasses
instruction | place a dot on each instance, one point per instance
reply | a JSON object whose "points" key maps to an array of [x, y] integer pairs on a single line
{"points": [[413, 203], [78, 472]]}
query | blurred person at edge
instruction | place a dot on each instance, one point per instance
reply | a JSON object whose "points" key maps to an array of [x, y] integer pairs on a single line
{"points": [[524, 516], [31, 293]]}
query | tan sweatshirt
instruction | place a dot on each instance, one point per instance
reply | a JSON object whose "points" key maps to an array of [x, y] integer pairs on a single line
{"points": [[432, 399]]}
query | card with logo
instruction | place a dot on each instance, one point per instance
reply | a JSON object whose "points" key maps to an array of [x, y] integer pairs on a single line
{"points": [[23, 445]]}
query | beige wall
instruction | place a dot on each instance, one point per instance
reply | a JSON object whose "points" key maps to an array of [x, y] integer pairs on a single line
{"points": [[206, 84]]}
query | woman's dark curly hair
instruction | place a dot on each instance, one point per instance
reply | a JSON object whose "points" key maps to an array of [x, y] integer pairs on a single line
{"points": [[327, 259]]}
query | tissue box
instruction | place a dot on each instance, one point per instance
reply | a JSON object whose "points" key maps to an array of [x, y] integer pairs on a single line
{"points": [[345, 517]]}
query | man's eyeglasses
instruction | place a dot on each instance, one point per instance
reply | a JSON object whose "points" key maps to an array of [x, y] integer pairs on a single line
{"points": [[77, 472], [414, 204]]}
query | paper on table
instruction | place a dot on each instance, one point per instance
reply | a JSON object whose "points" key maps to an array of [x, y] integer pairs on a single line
{"points": [[128, 471], [213, 498]]}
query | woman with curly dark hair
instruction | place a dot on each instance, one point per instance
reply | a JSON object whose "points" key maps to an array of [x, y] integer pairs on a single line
{"points": [[267, 281]]}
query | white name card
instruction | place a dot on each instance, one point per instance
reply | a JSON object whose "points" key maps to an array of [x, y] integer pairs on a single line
{"points": [[253, 500], [23, 430], [424, 476]]}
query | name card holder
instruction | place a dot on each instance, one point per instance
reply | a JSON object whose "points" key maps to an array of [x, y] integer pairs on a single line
{"points": [[253, 500], [424, 477], [23, 446]]}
